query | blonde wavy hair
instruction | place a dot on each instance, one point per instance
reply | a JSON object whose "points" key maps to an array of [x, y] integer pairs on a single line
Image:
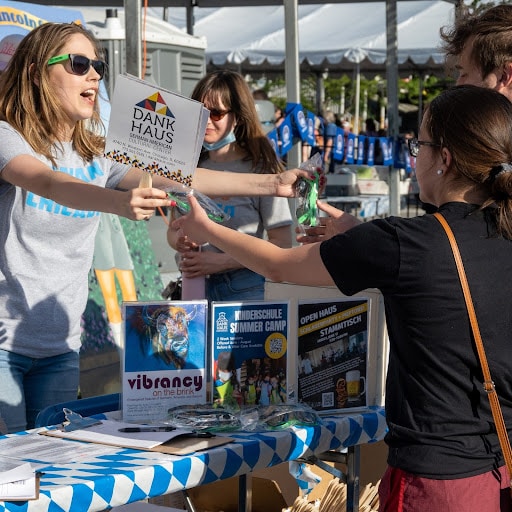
{"points": [[35, 110]]}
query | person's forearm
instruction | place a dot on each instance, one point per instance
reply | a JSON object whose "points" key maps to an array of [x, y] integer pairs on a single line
{"points": [[27, 172], [295, 265], [221, 183], [30, 174], [282, 236], [243, 248], [87, 197]]}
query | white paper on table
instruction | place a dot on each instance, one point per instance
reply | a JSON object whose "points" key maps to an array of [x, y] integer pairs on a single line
{"points": [[19, 483], [21, 472], [18, 449], [108, 433]]}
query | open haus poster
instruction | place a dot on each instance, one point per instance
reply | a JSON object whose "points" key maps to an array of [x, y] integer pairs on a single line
{"points": [[332, 353]]}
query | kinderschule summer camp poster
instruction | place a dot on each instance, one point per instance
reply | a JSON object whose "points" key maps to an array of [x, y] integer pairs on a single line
{"points": [[332, 353], [249, 354], [165, 357]]}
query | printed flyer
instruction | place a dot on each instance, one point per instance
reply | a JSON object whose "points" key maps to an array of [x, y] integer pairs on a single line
{"points": [[154, 129], [332, 353], [164, 357], [249, 354]]}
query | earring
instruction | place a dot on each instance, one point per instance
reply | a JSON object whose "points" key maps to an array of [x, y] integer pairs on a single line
{"points": [[439, 172]]}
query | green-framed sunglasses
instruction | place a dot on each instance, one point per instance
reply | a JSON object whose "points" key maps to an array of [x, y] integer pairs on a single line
{"points": [[80, 64]]}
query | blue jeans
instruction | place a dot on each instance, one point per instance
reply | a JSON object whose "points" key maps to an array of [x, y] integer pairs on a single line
{"points": [[28, 385], [241, 284]]}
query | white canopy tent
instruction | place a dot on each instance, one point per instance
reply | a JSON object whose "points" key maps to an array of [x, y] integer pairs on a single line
{"points": [[335, 38], [331, 36]]}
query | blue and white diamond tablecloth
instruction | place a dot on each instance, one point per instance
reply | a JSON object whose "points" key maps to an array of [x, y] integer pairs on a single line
{"points": [[130, 475]]}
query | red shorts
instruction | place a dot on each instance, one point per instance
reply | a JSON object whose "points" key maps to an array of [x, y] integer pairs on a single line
{"points": [[404, 492]]}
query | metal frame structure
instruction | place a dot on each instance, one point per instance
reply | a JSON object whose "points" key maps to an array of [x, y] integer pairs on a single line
{"points": [[133, 20]]}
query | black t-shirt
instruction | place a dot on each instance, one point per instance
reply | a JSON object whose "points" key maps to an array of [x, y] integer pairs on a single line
{"points": [[439, 418]]}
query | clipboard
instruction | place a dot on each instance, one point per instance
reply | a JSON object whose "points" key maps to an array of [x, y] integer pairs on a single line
{"points": [[184, 445], [107, 432], [21, 490]]}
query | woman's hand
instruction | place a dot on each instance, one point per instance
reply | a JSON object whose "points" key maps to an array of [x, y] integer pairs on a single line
{"points": [[140, 203], [204, 263], [337, 222], [195, 225], [287, 182], [184, 244]]}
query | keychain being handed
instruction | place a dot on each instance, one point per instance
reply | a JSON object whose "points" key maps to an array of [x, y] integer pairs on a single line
{"points": [[306, 210]]}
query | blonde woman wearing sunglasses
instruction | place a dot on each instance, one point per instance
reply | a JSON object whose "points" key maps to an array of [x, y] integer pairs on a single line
{"points": [[53, 182]]}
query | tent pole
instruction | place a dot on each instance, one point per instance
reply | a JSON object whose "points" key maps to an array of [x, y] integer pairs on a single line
{"points": [[319, 89], [357, 99], [420, 100], [292, 69], [190, 18], [392, 93], [133, 31]]}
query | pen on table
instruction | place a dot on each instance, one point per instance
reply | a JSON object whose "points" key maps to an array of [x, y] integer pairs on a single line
{"points": [[147, 429]]}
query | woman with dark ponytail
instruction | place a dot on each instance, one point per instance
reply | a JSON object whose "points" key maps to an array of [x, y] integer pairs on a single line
{"points": [[444, 453]]}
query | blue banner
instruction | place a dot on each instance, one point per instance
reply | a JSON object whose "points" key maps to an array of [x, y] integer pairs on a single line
{"points": [[386, 145], [339, 145], [402, 155], [310, 120], [360, 149], [300, 122], [351, 140], [286, 135], [272, 136], [371, 151]]}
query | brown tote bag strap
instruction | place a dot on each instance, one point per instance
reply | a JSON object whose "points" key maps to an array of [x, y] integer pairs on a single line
{"points": [[488, 383]]}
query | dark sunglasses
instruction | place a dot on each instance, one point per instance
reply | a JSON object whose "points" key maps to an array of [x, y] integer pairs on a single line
{"points": [[217, 115], [80, 64]]}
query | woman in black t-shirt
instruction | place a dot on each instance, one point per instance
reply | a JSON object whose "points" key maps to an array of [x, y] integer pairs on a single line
{"points": [[444, 453]]}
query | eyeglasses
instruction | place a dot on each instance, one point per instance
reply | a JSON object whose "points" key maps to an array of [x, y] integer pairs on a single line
{"points": [[80, 64], [414, 145], [217, 115]]}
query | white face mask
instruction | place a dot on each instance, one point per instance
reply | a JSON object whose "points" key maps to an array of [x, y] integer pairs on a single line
{"points": [[224, 376], [228, 139]]}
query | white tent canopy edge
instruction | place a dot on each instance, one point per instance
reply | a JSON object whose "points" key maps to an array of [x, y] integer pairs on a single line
{"points": [[331, 36]]}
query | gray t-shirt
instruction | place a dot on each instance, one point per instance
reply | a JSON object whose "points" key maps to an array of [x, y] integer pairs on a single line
{"points": [[250, 215], [47, 254]]}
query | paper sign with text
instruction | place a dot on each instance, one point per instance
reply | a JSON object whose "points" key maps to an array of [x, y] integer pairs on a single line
{"points": [[332, 353], [164, 357], [249, 353], [156, 130]]}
